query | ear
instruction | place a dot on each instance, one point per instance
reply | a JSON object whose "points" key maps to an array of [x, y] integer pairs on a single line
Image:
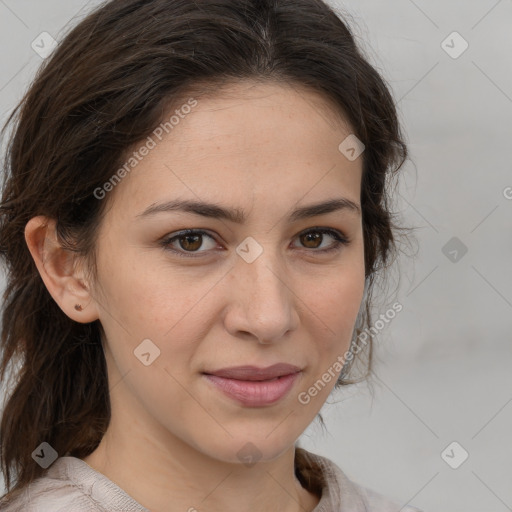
{"points": [[56, 265]]}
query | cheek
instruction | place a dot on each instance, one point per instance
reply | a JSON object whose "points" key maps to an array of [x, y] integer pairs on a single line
{"points": [[340, 317], [342, 300], [146, 296], [170, 310], [338, 289], [337, 305]]}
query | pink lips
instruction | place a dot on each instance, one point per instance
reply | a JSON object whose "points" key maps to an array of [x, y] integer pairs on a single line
{"points": [[252, 386]]}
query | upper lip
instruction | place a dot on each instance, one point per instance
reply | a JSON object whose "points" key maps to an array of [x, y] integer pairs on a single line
{"points": [[255, 373]]}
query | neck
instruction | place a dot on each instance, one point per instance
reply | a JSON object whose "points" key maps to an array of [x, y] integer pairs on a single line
{"points": [[190, 481]]}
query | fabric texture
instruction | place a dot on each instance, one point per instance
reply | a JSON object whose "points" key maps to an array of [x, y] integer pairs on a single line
{"points": [[71, 485]]}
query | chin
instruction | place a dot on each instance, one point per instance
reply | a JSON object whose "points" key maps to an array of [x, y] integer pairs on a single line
{"points": [[247, 449]]}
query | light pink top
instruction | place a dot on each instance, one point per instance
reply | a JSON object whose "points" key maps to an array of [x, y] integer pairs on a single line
{"points": [[71, 485]]}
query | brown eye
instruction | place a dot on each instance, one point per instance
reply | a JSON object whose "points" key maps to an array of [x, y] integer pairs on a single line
{"points": [[313, 238], [191, 242]]}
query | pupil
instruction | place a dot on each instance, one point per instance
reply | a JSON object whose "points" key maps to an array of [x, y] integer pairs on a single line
{"points": [[312, 237], [187, 238]]}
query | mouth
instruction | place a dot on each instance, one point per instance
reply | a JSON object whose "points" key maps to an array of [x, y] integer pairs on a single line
{"points": [[255, 387], [254, 373]]}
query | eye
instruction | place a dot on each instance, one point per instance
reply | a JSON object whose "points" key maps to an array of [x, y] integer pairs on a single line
{"points": [[312, 236], [190, 240]]}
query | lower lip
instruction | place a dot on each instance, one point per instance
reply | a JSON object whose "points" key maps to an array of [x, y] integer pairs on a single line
{"points": [[255, 393]]}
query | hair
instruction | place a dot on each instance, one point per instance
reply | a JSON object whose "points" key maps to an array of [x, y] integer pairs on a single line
{"points": [[106, 86]]}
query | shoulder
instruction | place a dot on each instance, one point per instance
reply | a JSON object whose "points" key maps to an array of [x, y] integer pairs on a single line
{"points": [[70, 484], [379, 503], [340, 493], [49, 494]]}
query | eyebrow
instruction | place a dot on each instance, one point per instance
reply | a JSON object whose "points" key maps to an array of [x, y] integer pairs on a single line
{"points": [[238, 216]]}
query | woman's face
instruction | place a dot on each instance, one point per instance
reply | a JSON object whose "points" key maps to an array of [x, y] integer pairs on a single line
{"points": [[264, 288]]}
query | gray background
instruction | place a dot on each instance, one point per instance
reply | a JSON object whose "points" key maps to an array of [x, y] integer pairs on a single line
{"points": [[441, 373]]}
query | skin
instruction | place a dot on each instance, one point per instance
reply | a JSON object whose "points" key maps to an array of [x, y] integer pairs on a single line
{"points": [[173, 439]]}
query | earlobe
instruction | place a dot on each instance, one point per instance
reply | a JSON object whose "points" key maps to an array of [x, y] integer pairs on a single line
{"points": [[56, 267]]}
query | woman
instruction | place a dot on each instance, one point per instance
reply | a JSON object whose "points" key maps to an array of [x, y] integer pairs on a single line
{"points": [[194, 212]]}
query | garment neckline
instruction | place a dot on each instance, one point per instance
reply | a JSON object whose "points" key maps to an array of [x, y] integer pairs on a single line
{"points": [[106, 492]]}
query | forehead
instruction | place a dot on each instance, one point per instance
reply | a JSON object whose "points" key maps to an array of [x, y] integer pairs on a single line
{"points": [[255, 140], [254, 106]]}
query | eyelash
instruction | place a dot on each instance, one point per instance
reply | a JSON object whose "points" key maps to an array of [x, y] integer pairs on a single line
{"points": [[340, 240]]}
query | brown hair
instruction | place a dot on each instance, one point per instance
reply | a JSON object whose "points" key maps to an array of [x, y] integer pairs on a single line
{"points": [[106, 87]]}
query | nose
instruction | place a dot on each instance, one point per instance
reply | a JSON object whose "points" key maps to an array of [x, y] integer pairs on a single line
{"points": [[263, 304]]}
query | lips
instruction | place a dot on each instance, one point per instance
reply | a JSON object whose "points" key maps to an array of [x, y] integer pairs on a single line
{"points": [[255, 387], [255, 373]]}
